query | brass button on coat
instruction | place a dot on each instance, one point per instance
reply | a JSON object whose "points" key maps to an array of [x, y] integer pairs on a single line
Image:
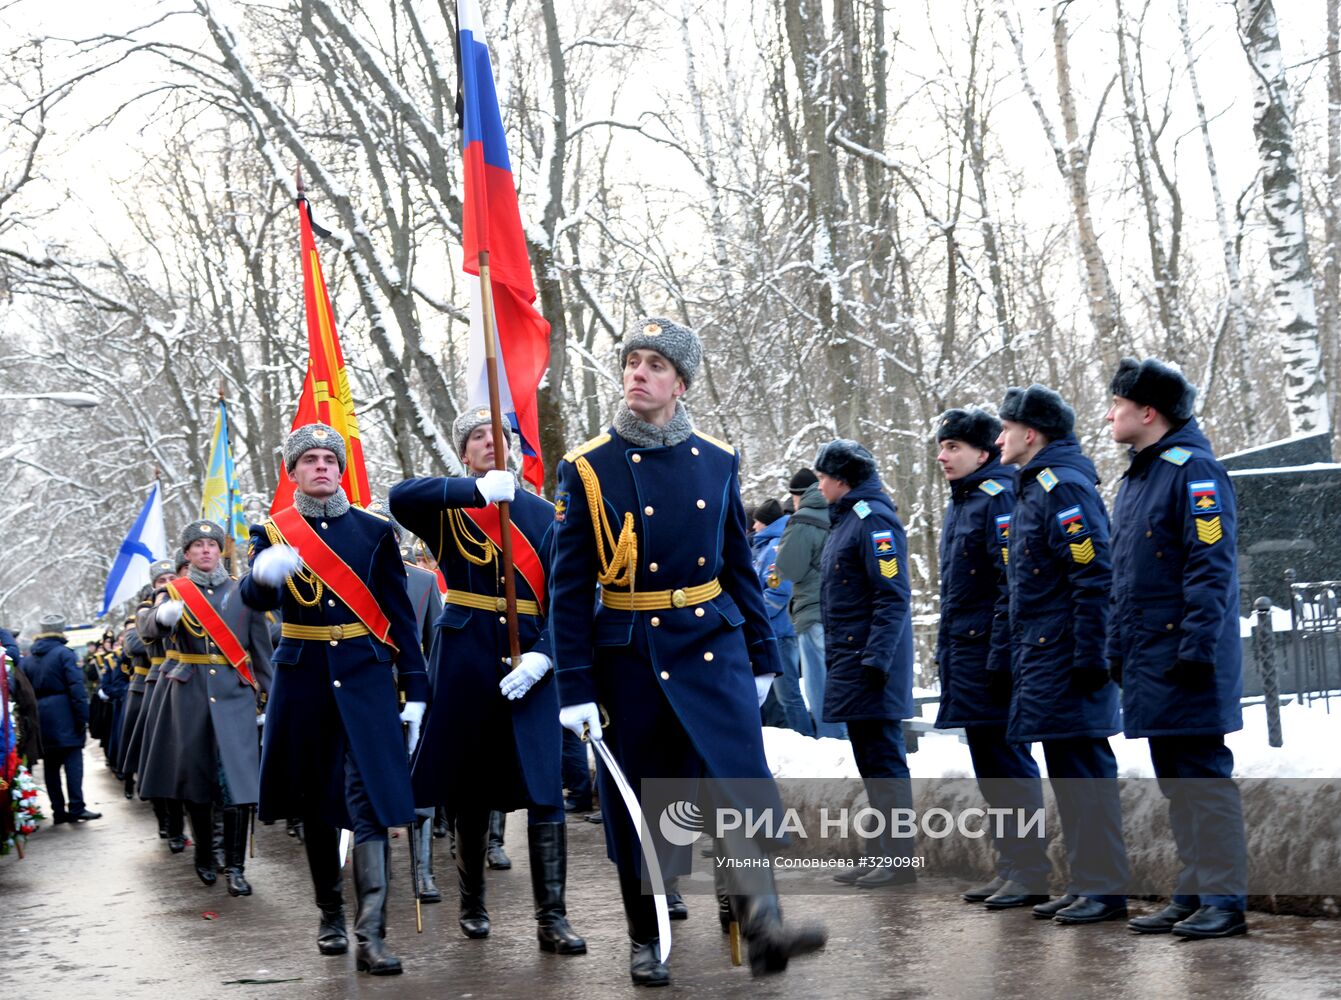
{"points": [[655, 621], [337, 683], [702, 561], [698, 612], [652, 567], [637, 458], [665, 675], [648, 510], [708, 657], [702, 504], [693, 451]]}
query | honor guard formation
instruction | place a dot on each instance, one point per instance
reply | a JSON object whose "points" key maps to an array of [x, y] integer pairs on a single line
{"points": [[355, 679]]}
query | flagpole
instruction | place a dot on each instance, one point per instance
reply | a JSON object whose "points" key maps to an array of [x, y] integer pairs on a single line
{"points": [[230, 548], [500, 456]]}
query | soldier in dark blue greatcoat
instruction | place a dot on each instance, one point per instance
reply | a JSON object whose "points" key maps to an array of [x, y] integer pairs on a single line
{"points": [[492, 740], [334, 753], [1173, 638], [679, 651], [1059, 567], [975, 686]]}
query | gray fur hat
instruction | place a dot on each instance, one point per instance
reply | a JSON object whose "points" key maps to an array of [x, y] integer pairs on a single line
{"points": [[201, 529], [1156, 383], [162, 566], [846, 460], [465, 423], [311, 436], [1041, 408], [971, 424], [49, 626], [678, 344], [382, 508]]}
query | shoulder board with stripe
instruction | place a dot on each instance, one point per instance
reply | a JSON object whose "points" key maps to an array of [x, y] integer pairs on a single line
{"points": [[720, 444], [991, 487], [582, 449], [1048, 479], [1176, 456]]}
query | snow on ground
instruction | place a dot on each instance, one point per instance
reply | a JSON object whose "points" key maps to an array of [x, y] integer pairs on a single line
{"points": [[1312, 749]]}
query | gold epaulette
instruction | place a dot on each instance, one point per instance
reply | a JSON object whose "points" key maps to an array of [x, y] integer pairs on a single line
{"points": [[582, 449], [720, 444]]}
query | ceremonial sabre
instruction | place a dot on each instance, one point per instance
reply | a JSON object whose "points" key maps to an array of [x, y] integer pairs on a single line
{"points": [[649, 849]]}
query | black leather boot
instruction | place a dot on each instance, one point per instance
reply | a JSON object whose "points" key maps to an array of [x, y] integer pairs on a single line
{"points": [[548, 844], [1212, 922], [423, 857], [497, 857], [472, 834], [130, 786], [370, 882], [676, 908], [220, 862], [771, 943], [1163, 921], [645, 965], [235, 849], [202, 833], [322, 843], [440, 825], [724, 915], [161, 814]]}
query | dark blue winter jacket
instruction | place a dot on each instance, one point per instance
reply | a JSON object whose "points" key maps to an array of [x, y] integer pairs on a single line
{"points": [[1176, 590], [1059, 567]]}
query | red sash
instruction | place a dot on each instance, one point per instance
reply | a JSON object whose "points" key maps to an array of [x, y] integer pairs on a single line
{"points": [[185, 590], [524, 556], [334, 572]]}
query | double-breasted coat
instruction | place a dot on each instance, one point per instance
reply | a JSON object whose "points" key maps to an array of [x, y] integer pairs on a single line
{"points": [[478, 748]]}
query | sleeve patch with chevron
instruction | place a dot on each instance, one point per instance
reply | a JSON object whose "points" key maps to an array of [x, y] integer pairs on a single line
{"points": [[1209, 530], [889, 568], [1083, 552]]}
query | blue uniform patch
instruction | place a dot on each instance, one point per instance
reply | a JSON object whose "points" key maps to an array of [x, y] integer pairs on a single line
{"points": [[883, 543], [1176, 455], [1072, 521], [1204, 496], [1047, 479], [861, 508], [1003, 528], [991, 487], [561, 505]]}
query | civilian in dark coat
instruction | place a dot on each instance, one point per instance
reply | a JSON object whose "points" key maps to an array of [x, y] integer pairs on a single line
{"points": [[62, 706], [975, 686], [1059, 571], [868, 641], [1173, 638]]}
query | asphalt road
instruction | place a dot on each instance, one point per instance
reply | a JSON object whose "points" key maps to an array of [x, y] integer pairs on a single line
{"points": [[103, 910]]}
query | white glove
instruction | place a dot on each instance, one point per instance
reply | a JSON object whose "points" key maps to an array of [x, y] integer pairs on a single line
{"points": [[276, 564], [496, 486], [584, 719], [102, 695], [169, 613], [763, 683], [519, 680], [260, 720], [412, 716]]}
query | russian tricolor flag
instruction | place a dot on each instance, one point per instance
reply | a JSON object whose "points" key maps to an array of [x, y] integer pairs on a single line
{"points": [[492, 222]]}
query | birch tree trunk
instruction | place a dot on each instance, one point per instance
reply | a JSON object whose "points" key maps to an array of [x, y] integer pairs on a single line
{"points": [[1283, 205]]}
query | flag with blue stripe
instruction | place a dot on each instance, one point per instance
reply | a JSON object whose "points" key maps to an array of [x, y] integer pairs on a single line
{"points": [[146, 543]]}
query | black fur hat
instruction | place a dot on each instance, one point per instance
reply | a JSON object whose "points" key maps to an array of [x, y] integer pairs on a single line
{"points": [[1041, 408], [971, 424], [1156, 383], [845, 460]]}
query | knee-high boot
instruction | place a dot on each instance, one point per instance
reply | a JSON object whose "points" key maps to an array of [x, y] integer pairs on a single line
{"points": [[202, 833], [322, 843], [235, 849], [423, 858], [472, 833], [370, 882], [645, 965], [548, 843], [497, 857]]}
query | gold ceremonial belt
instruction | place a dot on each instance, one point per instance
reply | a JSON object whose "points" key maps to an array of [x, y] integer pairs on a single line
{"points": [[482, 602], [660, 600], [199, 657], [141, 671], [323, 633], [156, 660]]}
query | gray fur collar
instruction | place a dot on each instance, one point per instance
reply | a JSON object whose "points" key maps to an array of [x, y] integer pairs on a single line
{"points": [[334, 505], [640, 433], [213, 578]]}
